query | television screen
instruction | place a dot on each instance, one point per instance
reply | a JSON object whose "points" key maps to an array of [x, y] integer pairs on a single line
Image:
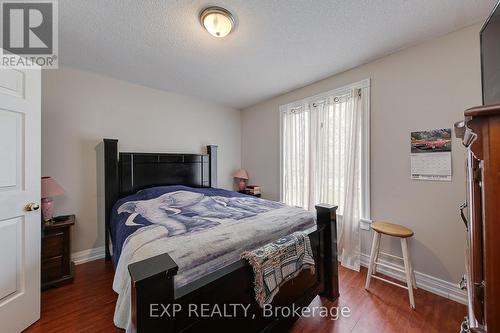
{"points": [[490, 58]]}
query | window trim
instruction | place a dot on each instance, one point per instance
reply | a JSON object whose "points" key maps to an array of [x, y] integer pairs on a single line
{"points": [[365, 220]]}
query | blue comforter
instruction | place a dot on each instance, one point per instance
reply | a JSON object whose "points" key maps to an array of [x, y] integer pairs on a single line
{"points": [[180, 209]]}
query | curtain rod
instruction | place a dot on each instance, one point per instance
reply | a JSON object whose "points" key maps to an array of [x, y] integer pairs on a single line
{"points": [[336, 100]]}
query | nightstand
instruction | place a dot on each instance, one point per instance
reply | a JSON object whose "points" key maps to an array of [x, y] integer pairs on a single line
{"points": [[258, 195], [57, 267]]}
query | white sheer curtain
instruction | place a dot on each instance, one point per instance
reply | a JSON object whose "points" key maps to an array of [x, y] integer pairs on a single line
{"points": [[296, 155], [322, 143]]}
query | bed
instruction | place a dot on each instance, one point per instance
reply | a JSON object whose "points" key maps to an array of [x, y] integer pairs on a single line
{"points": [[175, 240]]}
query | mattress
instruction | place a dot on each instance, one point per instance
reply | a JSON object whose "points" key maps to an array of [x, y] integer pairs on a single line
{"points": [[202, 229]]}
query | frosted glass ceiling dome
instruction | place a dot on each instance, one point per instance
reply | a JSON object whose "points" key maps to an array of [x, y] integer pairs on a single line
{"points": [[218, 21]]}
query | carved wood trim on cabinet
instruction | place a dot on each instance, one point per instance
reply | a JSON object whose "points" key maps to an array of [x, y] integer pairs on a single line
{"points": [[484, 233]]}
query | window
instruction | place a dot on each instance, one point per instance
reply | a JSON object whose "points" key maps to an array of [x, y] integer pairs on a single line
{"points": [[325, 154]]}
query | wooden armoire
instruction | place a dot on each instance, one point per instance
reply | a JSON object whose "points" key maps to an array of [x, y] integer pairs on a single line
{"points": [[481, 214]]}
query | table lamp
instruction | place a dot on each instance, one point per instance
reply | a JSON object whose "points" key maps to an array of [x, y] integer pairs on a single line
{"points": [[242, 175], [50, 189]]}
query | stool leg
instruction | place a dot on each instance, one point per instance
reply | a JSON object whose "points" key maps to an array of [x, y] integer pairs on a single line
{"points": [[413, 280], [377, 251], [375, 242], [409, 282]]}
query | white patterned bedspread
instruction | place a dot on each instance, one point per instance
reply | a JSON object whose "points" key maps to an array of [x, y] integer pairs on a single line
{"points": [[205, 250]]}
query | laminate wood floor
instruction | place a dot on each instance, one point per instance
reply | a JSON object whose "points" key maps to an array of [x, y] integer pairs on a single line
{"points": [[88, 305]]}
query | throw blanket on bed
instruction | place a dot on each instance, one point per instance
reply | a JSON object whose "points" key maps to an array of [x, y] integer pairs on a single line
{"points": [[277, 262], [202, 229]]}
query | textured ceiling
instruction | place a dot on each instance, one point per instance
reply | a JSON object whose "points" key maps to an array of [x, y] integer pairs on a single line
{"points": [[278, 45]]}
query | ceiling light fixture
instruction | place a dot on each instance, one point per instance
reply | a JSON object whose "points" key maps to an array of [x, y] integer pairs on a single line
{"points": [[218, 21]]}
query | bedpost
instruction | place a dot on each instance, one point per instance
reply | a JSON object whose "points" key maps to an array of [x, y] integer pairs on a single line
{"points": [[327, 222], [111, 186], [212, 154], [152, 289]]}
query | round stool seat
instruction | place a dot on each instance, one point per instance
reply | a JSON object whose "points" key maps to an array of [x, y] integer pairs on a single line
{"points": [[392, 229]]}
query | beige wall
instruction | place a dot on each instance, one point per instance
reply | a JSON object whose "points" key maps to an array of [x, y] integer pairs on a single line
{"points": [[423, 87], [80, 108]]}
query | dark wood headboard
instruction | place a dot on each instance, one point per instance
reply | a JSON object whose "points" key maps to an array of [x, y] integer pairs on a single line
{"points": [[126, 173]]}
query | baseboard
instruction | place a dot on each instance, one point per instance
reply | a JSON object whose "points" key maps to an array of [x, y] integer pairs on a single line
{"points": [[88, 255], [424, 281]]}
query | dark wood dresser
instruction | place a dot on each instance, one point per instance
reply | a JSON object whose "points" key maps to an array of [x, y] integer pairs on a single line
{"points": [[481, 136], [57, 267]]}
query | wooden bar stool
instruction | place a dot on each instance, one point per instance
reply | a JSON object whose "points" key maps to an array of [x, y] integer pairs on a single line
{"points": [[394, 230]]}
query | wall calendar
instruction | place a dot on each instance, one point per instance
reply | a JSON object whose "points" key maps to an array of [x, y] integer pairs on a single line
{"points": [[431, 155]]}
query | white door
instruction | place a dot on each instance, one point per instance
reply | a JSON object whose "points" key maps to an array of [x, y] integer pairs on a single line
{"points": [[19, 186]]}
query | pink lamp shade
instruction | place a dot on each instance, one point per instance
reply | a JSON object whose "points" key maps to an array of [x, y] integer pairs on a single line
{"points": [[241, 173], [50, 188]]}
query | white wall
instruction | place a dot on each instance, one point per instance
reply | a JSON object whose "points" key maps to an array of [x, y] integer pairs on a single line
{"points": [[424, 87], [79, 109]]}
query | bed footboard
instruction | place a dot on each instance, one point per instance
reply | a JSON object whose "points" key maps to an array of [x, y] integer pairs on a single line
{"points": [[152, 283], [326, 217], [154, 298]]}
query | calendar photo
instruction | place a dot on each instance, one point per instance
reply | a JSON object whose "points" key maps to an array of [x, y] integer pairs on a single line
{"points": [[431, 141], [431, 155]]}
